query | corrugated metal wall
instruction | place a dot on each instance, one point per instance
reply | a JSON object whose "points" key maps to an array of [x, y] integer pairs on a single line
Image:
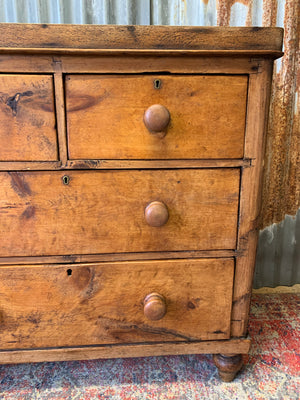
{"points": [[278, 260]]}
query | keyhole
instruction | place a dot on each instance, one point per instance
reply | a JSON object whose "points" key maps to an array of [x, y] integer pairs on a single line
{"points": [[66, 179], [69, 272], [157, 84]]}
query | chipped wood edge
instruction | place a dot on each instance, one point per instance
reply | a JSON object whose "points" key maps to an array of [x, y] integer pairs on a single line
{"points": [[235, 346], [60, 113], [135, 64], [169, 52], [80, 258], [117, 164], [130, 37], [250, 197]]}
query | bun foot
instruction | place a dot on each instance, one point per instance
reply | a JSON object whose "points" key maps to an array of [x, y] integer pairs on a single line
{"points": [[228, 365]]}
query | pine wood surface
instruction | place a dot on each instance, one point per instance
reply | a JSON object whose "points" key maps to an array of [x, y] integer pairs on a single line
{"points": [[80, 37], [103, 211], [154, 255], [60, 114], [129, 350], [75, 305], [120, 164], [105, 116], [82, 167], [131, 63], [27, 119], [250, 203]]}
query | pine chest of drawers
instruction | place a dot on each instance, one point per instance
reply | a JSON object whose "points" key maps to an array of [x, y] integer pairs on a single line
{"points": [[131, 164]]}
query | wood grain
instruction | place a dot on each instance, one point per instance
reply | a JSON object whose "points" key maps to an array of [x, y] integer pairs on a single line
{"points": [[83, 258], [130, 350], [30, 165], [75, 305], [120, 164], [105, 116], [103, 211], [156, 164], [228, 365], [61, 37], [258, 103], [61, 210], [60, 113], [131, 63], [27, 119]]}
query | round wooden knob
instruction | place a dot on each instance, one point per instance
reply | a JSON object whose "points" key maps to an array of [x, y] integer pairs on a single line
{"points": [[156, 118], [154, 306], [156, 213]]}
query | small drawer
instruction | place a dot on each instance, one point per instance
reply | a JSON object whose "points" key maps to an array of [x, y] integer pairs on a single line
{"points": [[27, 118], [110, 303], [155, 116], [93, 212]]}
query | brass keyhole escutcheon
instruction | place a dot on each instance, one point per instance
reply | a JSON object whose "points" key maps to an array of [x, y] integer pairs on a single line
{"points": [[157, 83], [66, 179]]}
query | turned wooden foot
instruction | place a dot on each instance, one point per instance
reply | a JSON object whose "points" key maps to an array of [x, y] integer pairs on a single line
{"points": [[228, 365]]}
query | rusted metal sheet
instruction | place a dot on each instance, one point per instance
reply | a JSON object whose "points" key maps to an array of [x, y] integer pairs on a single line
{"points": [[278, 256], [281, 193], [282, 180]]}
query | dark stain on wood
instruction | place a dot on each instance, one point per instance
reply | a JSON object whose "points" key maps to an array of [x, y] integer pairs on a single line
{"points": [[219, 332], [83, 279], [82, 102], [118, 327], [52, 44], [19, 185], [13, 101], [131, 30], [245, 297], [28, 213], [191, 305], [70, 258], [34, 318]]}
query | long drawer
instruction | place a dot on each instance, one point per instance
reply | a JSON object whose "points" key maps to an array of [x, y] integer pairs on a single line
{"points": [[92, 212], [198, 116], [130, 302]]}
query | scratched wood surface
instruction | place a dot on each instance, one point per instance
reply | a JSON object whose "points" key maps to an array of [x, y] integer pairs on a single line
{"points": [[105, 116], [27, 118], [67, 36], [207, 170], [103, 211], [238, 346], [131, 63], [250, 204], [73, 305]]}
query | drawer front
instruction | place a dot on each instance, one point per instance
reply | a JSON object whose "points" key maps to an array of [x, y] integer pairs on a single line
{"points": [[73, 305], [27, 118], [114, 211], [105, 116]]}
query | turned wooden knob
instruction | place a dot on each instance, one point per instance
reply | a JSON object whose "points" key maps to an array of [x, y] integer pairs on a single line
{"points": [[156, 213], [154, 306], [156, 118]]}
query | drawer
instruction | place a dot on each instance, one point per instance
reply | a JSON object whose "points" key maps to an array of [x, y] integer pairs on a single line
{"points": [[205, 115], [74, 305], [92, 212], [27, 118]]}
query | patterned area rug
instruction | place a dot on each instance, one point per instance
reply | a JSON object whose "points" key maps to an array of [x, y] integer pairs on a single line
{"points": [[271, 371]]}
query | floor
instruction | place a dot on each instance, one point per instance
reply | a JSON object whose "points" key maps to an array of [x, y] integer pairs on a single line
{"points": [[271, 371]]}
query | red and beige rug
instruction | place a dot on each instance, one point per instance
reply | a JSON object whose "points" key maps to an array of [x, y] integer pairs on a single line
{"points": [[271, 371]]}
